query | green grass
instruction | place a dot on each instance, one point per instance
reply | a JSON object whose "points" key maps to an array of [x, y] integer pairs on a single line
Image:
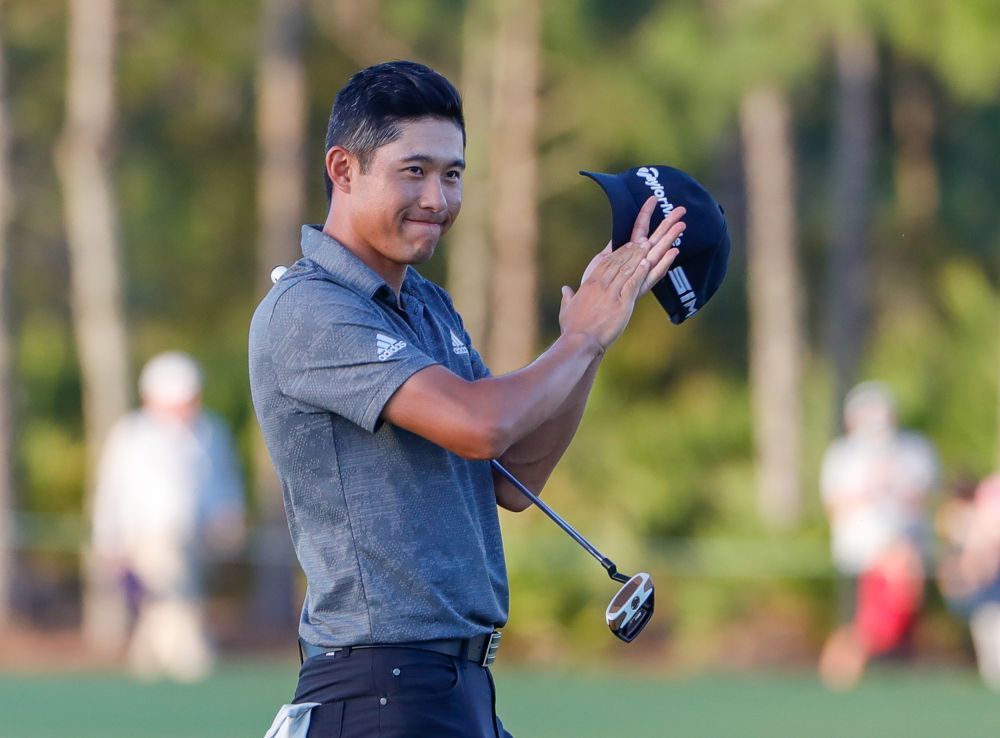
{"points": [[241, 699]]}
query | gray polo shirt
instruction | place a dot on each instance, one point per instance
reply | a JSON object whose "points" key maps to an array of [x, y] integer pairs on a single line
{"points": [[399, 538]]}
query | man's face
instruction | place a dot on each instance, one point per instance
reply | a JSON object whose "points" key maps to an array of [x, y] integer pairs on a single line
{"points": [[410, 195], [873, 417], [180, 410]]}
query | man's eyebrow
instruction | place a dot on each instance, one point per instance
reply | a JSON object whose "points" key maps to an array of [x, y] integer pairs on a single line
{"points": [[427, 159]]}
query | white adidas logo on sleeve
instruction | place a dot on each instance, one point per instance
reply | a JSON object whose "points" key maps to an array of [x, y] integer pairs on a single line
{"points": [[456, 344], [387, 346]]}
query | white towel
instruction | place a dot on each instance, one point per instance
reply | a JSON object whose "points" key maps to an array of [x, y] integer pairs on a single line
{"points": [[292, 721]]}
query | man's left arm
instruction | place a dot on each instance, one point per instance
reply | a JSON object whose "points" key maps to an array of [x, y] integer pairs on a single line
{"points": [[533, 458]]}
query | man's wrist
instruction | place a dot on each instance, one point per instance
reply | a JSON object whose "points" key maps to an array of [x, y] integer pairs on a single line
{"points": [[585, 342]]}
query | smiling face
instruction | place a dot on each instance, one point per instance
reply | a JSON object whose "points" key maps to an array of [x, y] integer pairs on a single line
{"points": [[394, 213]]}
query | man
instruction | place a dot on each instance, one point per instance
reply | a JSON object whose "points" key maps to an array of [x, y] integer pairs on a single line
{"points": [[875, 482], [381, 419], [969, 574], [168, 490]]}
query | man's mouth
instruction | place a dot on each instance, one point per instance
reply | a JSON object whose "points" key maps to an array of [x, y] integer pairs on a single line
{"points": [[436, 224]]}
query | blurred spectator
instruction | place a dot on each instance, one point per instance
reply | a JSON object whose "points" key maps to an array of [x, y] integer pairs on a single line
{"points": [[168, 492], [953, 522], [875, 482], [969, 575]]}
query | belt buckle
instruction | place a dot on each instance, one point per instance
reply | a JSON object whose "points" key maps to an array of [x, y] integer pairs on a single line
{"points": [[492, 646]]}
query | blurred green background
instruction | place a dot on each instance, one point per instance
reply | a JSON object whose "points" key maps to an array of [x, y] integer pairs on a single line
{"points": [[853, 144]]}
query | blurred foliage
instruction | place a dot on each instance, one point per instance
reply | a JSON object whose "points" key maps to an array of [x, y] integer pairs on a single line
{"points": [[665, 451]]}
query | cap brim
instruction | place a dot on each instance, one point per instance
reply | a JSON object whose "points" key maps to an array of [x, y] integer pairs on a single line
{"points": [[623, 207]]}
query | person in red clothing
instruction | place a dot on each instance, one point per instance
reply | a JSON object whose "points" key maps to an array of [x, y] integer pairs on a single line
{"points": [[875, 483]]}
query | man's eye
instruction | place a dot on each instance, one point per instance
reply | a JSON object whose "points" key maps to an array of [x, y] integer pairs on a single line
{"points": [[415, 170], [454, 174]]}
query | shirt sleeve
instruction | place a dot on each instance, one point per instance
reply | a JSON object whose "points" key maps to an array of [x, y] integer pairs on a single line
{"points": [[338, 354]]}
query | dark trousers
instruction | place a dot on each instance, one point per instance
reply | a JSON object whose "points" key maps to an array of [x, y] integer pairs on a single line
{"points": [[398, 693]]}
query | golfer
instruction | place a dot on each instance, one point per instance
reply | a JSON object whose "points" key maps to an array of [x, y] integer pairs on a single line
{"points": [[381, 418]]}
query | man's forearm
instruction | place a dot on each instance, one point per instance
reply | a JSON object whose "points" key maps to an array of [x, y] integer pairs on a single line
{"points": [[485, 418], [556, 402], [533, 458]]}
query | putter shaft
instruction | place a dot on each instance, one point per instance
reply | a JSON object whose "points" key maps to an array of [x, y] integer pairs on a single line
{"points": [[607, 563]]}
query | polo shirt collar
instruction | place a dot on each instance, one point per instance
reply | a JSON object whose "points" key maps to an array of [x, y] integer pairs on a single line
{"points": [[340, 262]]}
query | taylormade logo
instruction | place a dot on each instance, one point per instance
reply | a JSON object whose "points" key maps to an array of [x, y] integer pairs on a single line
{"points": [[456, 344], [387, 346], [651, 178]]}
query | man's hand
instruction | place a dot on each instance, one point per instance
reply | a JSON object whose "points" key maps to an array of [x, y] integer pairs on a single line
{"points": [[662, 251], [602, 306], [614, 280]]}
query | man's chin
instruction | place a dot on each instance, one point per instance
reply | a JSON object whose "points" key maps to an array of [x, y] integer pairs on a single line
{"points": [[422, 252]]}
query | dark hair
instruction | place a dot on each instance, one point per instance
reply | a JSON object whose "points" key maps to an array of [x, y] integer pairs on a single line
{"points": [[368, 109]]}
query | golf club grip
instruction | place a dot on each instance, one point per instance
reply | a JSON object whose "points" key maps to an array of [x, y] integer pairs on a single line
{"points": [[605, 561]]}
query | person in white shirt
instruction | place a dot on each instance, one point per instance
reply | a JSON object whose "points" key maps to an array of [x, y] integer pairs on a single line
{"points": [[875, 483], [168, 492]]}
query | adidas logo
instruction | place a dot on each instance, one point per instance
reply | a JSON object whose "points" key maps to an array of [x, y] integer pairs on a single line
{"points": [[456, 344], [388, 346]]}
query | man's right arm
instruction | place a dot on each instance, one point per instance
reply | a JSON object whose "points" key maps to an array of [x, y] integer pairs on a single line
{"points": [[483, 418]]}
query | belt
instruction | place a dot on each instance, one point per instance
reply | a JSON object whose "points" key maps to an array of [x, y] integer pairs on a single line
{"points": [[480, 649]]}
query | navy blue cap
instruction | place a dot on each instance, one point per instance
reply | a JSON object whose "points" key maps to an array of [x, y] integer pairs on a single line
{"points": [[704, 246]]}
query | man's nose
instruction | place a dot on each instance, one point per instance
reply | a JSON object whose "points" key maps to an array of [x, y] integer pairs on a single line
{"points": [[432, 196]]}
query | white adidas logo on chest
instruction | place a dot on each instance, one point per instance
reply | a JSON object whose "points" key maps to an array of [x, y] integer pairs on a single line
{"points": [[456, 344]]}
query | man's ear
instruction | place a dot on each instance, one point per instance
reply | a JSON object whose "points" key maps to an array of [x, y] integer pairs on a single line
{"points": [[341, 167]]}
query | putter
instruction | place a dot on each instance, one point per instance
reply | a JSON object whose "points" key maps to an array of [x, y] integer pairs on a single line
{"points": [[632, 607]]}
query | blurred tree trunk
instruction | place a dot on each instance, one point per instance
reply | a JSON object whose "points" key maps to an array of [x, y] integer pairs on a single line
{"points": [[514, 172], [84, 164], [776, 341], [6, 385], [281, 134], [359, 32], [848, 280], [468, 251], [915, 171]]}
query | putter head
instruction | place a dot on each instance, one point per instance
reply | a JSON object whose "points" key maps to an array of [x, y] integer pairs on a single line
{"points": [[632, 608]]}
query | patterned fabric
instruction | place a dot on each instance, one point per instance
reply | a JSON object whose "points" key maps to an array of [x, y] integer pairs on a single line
{"points": [[399, 538]]}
